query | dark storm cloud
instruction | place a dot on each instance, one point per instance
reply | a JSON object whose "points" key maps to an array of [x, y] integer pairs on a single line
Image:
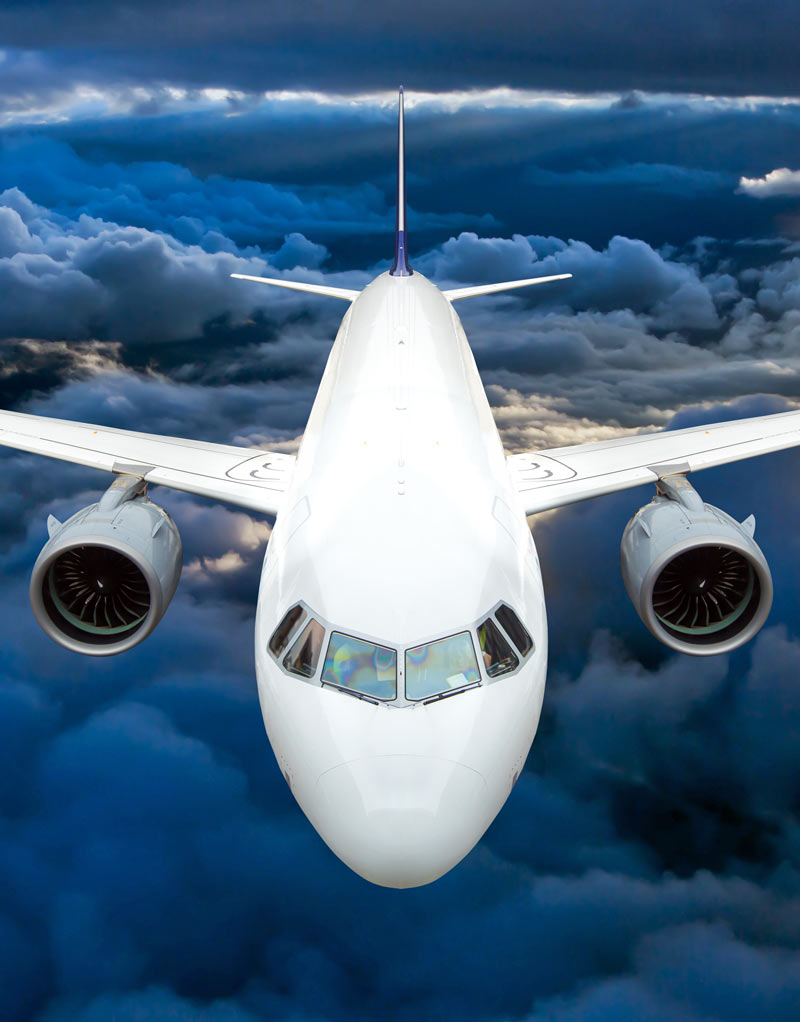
{"points": [[666, 170], [712, 318], [629, 274], [212, 212], [711, 46], [700, 956], [677, 143], [89, 240], [97, 278], [632, 336]]}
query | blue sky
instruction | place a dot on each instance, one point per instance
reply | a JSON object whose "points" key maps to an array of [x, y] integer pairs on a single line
{"points": [[154, 864]]}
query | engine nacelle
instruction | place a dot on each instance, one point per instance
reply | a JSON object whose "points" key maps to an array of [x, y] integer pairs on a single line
{"points": [[106, 576], [695, 575]]}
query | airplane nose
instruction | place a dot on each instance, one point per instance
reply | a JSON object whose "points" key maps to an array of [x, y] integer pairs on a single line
{"points": [[401, 821]]}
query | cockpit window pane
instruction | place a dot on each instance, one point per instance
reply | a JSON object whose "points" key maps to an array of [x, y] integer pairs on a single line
{"points": [[303, 657], [441, 666], [280, 637], [498, 656], [515, 628], [361, 666]]}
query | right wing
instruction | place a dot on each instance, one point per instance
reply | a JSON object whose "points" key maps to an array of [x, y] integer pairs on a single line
{"points": [[245, 476], [564, 475]]}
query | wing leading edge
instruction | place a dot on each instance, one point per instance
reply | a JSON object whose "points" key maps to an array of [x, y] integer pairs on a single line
{"points": [[244, 476], [566, 475]]}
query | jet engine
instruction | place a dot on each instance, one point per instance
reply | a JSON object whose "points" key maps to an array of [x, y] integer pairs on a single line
{"points": [[106, 576], [696, 576]]}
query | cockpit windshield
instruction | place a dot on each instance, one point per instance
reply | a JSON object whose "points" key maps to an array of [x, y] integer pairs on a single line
{"points": [[498, 656], [516, 629], [361, 667], [491, 648], [281, 635], [441, 666], [302, 658]]}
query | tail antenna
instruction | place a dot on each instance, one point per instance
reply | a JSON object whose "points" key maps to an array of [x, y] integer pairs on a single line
{"points": [[401, 267]]}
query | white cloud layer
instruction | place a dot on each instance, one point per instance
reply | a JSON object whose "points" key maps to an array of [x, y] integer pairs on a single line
{"points": [[778, 182]]}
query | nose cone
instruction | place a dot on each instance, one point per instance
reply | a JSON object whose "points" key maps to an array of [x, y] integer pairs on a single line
{"points": [[401, 821]]}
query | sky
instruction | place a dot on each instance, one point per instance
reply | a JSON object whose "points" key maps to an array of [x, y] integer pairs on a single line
{"points": [[154, 864]]}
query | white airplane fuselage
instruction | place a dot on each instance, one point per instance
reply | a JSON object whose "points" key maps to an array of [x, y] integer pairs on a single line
{"points": [[401, 526]]}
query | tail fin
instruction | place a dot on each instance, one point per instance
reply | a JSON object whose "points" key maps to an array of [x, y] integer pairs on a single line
{"points": [[401, 267]]}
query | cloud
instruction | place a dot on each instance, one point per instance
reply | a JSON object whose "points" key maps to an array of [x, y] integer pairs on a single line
{"points": [[269, 44], [684, 973], [211, 210], [572, 164], [635, 334], [88, 278], [779, 289], [151, 1005], [143, 254], [628, 274], [154, 861], [777, 183]]}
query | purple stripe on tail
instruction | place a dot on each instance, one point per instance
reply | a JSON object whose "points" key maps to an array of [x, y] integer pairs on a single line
{"points": [[400, 267]]}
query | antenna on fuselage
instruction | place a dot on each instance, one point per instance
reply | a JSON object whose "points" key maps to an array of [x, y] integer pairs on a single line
{"points": [[401, 267]]}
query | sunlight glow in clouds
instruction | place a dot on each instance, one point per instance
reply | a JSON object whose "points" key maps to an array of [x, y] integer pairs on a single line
{"points": [[24, 100]]}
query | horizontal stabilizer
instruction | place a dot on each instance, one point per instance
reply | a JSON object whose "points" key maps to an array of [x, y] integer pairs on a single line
{"points": [[508, 285], [295, 285]]}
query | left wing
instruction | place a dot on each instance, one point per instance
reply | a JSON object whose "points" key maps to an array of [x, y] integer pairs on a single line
{"points": [[565, 475], [247, 477]]}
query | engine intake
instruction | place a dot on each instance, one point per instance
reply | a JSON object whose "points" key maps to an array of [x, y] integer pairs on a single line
{"points": [[106, 576], [696, 576]]}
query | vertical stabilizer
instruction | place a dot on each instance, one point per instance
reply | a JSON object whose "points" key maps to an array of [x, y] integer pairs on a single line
{"points": [[401, 267]]}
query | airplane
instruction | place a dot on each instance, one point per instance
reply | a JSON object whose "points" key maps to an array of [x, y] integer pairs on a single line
{"points": [[400, 633]]}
